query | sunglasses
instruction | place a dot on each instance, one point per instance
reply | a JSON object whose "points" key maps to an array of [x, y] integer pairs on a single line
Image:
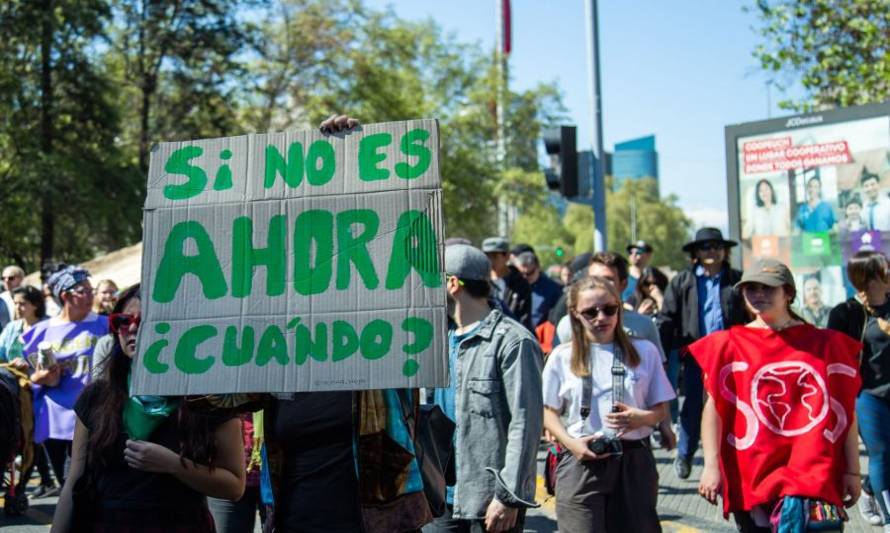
{"points": [[593, 312], [122, 321], [708, 246]]}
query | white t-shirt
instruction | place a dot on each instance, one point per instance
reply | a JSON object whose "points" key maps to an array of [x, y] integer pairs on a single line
{"points": [[644, 386]]}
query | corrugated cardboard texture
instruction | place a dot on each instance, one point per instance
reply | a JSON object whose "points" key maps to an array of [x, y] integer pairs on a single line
{"points": [[294, 261]]}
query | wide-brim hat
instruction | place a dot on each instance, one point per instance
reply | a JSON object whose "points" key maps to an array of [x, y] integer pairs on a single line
{"points": [[707, 235]]}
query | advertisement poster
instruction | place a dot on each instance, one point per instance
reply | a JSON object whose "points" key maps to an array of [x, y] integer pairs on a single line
{"points": [[812, 191]]}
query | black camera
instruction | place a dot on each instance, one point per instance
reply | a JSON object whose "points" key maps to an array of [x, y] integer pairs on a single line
{"points": [[606, 445]]}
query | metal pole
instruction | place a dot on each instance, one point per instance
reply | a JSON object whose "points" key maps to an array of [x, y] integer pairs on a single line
{"points": [[633, 217], [501, 150], [600, 233]]}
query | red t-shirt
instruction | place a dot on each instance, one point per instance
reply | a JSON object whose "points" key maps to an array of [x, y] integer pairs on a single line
{"points": [[786, 402]]}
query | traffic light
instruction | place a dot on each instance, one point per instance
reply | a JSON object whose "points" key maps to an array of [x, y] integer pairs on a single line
{"points": [[559, 252], [562, 175]]}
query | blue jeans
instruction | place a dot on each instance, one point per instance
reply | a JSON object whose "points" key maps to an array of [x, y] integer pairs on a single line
{"points": [[690, 413], [673, 373], [873, 414]]}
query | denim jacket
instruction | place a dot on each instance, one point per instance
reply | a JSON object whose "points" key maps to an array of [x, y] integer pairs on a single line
{"points": [[499, 407]]}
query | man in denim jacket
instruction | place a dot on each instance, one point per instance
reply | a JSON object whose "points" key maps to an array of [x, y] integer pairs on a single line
{"points": [[495, 400]]}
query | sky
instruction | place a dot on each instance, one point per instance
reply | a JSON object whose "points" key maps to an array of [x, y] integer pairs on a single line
{"points": [[681, 70]]}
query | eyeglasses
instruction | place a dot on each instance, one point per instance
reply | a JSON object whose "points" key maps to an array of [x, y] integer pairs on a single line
{"points": [[593, 312], [80, 290], [709, 246], [122, 321], [10, 278]]}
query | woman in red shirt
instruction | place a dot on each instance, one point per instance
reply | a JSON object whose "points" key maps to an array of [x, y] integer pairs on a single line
{"points": [[779, 429]]}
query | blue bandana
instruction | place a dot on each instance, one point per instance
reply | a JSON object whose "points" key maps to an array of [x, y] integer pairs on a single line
{"points": [[66, 279]]}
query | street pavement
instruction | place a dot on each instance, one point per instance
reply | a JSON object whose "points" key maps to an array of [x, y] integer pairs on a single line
{"points": [[679, 506]]}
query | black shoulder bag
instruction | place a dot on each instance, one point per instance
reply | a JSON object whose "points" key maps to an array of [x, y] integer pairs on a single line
{"points": [[433, 435]]}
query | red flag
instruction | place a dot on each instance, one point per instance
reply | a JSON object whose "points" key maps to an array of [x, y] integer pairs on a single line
{"points": [[507, 25], [786, 402]]}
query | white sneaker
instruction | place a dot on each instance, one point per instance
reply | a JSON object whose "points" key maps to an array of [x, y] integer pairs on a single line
{"points": [[868, 509]]}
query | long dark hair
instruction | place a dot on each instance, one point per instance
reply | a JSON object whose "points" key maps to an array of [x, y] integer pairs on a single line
{"points": [[661, 281], [196, 440], [772, 193]]}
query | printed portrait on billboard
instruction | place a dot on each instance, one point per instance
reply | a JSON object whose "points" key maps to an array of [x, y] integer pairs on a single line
{"points": [[817, 292]]}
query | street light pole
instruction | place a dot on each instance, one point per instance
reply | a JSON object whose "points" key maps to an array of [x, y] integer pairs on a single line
{"points": [[501, 150], [596, 105]]}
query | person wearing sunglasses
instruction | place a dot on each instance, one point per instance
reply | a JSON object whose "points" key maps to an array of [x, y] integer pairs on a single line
{"points": [[13, 276], [779, 430], [699, 301], [601, 387], [145, 463], [59, 377]]}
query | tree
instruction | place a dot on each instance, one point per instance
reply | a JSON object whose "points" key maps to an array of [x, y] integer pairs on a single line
{"points": [[545, 231], [838, 51], [659, 221], [61, 165], [578, 221], [178, 60], [377, 67]]}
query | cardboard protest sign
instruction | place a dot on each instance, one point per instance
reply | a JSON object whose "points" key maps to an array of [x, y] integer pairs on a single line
{"points": [[294, 261]]}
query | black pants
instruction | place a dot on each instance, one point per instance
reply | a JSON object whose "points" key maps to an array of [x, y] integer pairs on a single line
{"points": [[59, 452], [446, 524], [746, 524], [41, 463]]}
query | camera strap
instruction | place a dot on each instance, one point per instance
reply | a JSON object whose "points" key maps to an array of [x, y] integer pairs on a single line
{"points": [[618, 373]]}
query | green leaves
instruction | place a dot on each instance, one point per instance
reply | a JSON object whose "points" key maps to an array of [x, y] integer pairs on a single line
{"points": [[128, 73], [659, 221], [838, 51]]}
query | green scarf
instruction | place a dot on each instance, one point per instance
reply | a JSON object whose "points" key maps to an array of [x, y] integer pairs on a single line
{"points": [[143, 414]]}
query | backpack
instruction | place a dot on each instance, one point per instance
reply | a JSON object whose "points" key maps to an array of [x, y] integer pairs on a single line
{"points": [[10, 416]]}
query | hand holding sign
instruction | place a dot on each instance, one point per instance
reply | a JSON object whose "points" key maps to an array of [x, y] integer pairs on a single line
{"points": [[337, 123]]}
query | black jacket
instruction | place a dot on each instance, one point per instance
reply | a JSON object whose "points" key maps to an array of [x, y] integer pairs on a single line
{"points": [[517, 298], [848, 317], [678, 318]]}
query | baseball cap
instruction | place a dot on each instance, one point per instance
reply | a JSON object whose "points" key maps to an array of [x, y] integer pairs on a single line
{"points": [[767, 271], [495, 244], [643, 246], [467, 263]]}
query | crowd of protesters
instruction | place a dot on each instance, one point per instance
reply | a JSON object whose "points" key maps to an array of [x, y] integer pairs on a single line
{"points": [[585, 365]]}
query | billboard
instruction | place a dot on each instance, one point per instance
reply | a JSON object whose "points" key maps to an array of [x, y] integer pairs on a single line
{"points": [[811, 190]]}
